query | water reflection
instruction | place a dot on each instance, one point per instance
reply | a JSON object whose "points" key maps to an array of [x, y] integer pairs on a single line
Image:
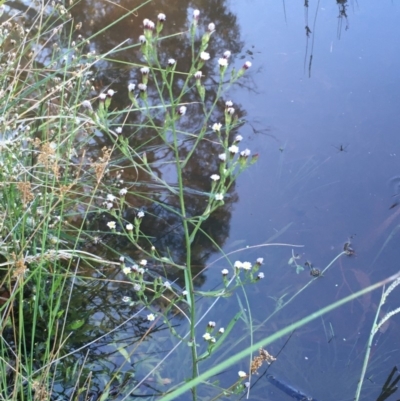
{"points": [[342, 18], [162, 224]]}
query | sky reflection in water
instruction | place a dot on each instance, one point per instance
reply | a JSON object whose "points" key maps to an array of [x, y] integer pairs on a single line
{"points": [[326, 165]]}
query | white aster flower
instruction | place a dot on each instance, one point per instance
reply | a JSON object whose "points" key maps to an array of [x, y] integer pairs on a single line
{"points": [[142, 87], [225, 272], [222, 157], [143, 262], [184, 293], [131, 87], [150, 317], [149, 24], [219, 197], [196, 14], [245, 153], [198, 74], [171, 61], [123, 191], [238, 138], [242, 374], [207, 336], [205, 56], [122, 259], [233, 149], [129, 227], [137, 287], [247, 265], [110, 198], [102, 96], [167, 285], [110, 92], [118, 130], [215, 177], [211, 27], [228, 103], [127, 270], [182, 110], [260, 261], [142, 39], [217, 127], [126, 299], [109, 205], [221, 330], [145, 70], [140, 214], [238, 264], [260, 276], [161, 17], [230, 110], [247, 65], [87, 105], [227, 54], [140, 270], [111, 224], [223, 62], [211, 324]]}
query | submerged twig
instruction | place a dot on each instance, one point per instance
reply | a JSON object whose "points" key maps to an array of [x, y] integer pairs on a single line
{"points": [[389, 387]]}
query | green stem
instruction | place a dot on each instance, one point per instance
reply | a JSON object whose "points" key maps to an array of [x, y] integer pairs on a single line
{"points": [[301, 290], [369, 346], [188, 271]]}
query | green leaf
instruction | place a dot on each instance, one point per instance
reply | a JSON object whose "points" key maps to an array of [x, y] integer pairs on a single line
{"points": [[60, 313], [76, 324], [221, 339], [104, 396], [202, 92], [124, 353], [219, 293]]}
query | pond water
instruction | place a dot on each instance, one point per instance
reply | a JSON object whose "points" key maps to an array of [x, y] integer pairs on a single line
{"points": [[327, 134], [328, 167], [321, 107]]}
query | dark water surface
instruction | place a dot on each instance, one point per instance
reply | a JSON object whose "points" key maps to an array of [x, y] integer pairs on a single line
{"points": [[327, 135]]}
